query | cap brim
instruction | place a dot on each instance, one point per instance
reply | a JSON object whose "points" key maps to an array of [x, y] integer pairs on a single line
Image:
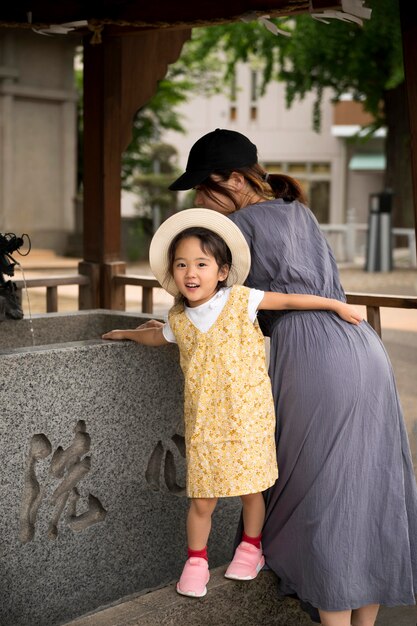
{"points": [[188, 180], [204, 218]]}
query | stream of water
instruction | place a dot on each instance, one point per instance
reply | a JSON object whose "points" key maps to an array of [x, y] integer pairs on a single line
{"points": [[31, 329]]}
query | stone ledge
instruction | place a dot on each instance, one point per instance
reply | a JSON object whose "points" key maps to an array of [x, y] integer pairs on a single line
{"points": [[226, 603]]}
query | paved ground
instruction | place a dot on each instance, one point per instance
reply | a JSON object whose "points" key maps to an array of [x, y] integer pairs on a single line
{"points": [[399, 335]]}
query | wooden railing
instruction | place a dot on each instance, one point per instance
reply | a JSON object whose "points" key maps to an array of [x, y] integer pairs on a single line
{"points": [[52, 283], [372, 302], [147, 283]]}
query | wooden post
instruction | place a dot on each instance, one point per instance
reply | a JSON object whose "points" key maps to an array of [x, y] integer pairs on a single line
{"points": [[120, 74], [373, 316], [114, 293], [409, 38], [89, 295]]}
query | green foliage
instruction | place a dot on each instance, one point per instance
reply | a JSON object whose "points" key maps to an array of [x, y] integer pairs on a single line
{"points": [[151, 183], [139, 236], [182, 81], [364, 61], [158, 115]]}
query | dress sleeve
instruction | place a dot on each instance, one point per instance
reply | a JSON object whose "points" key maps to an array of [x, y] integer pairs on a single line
{"points": [[255, 298], [167, 333]]}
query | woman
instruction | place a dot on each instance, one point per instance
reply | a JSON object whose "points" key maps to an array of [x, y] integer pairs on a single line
{"points": [[341, 521]]}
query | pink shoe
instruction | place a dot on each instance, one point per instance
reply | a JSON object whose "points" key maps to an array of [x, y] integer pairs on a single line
{"points": [[194, 578], [247, 562]]}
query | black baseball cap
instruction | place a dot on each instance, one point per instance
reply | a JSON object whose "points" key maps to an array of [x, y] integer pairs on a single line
{"points": [[219, 150]]}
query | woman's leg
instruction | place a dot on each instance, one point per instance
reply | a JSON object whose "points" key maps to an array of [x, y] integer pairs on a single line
{"points": [[253, 513], [365, 616], [335, 618], [199, 522]]}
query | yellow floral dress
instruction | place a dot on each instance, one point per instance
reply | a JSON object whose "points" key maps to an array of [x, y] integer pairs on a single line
{"points": [[228, 407]]}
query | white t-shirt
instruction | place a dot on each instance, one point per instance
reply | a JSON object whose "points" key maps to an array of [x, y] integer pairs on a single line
{"points": [[204, 316]]}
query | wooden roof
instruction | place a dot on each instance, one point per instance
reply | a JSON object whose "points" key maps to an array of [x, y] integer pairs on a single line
{"points": [[131, 15], [137, 40]]}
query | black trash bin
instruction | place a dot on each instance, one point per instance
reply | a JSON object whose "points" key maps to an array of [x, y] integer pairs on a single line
{"points": [[379, 243]]}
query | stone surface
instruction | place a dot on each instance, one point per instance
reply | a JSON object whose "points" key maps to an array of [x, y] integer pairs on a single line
{"points": [[115, 491], [227, 603], [53, 328]]}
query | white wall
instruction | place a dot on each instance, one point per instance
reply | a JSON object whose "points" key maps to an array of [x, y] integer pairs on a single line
{"points": [[37, 137]]}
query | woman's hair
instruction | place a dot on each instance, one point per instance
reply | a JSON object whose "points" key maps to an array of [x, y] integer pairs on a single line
{"points": [[210, 242], [266, 185]]}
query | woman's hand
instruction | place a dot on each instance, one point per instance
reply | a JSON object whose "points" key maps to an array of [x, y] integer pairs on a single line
{"points": [[349, 313]]}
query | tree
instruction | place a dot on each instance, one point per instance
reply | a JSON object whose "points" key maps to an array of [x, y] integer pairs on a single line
{"points": [[363, 61], [151, 184], [182, 81]]}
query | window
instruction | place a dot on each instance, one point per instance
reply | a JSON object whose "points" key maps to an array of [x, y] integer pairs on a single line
{"points": [[253, 111], [315, 180]]}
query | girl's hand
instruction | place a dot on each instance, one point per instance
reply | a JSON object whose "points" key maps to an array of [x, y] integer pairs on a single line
{"points": [[150, 324], [348, 313], [114, 334]]}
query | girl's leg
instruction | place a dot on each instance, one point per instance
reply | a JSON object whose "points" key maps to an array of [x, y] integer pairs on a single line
{"points": [[365, 616], [253, 511], [199, 522], [248, 559], [195, 574], [335, 618]]}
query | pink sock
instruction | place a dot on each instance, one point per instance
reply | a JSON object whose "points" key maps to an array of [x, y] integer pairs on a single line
{"points": [[255, 541], [202, 554]]}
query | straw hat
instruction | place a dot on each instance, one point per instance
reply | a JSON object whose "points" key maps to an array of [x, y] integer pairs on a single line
{"points": [[203, 218]]}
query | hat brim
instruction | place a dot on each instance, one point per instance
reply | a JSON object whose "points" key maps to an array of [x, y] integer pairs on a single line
{"points": [[203, 218], [188, 180]]}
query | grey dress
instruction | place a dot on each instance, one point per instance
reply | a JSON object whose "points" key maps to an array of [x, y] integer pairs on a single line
{"points": [[341, 521]]}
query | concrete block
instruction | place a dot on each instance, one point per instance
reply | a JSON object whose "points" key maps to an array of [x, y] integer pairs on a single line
{"points": [[92, 481]]}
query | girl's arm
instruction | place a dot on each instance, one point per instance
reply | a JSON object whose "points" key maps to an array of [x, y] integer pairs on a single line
{"points": [[283, 301], [152, 336], [150, 324]]}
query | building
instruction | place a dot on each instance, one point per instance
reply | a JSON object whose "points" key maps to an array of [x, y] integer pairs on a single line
{"points": [[336, 174], [38, 138]]}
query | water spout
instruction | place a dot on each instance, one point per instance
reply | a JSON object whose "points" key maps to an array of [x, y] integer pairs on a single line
{"points": [[10, 307]]}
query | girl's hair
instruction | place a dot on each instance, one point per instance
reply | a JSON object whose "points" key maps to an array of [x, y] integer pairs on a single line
{"points": [[267, 185], [211, 243]]}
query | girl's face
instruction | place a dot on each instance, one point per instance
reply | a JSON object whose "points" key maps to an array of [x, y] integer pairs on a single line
{"points": [[195, 272]]}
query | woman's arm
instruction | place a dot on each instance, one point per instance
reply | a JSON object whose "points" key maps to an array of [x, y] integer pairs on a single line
{"points": [[145, 336], [283, 301]]}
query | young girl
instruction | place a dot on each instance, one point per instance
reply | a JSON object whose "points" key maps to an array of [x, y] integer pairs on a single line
{"points": [[197, 255]]}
